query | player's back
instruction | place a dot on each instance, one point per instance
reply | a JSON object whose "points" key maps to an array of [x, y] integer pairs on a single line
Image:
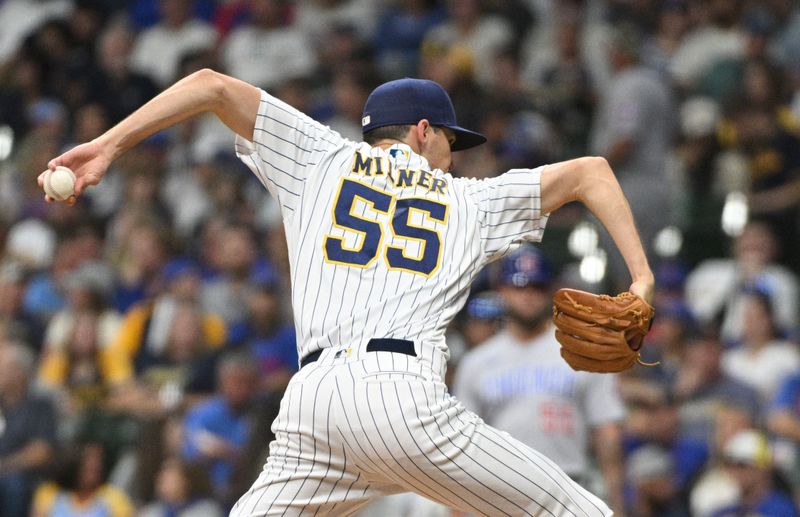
{"points": [[387, 250], [380, 245]]}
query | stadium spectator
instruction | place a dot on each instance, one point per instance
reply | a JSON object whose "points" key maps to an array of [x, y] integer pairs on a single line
{"points": [[718, 37], [20, 17], [126, 90], [213, 187], [265, 334], [482, 318], [651, 473], [181, 491], [667, 341], [80, 370], [453, 69], [158, 49], [18, 202], [237, 259], [476, 35], [783, 420], [749, 461], [87, 289], [564, 92], [715, 288], [770, 149], [269, 48], [15, 322], [518, 382], [657, 422], [28, 438], [140, 257], [81, 488], [400, 31], [659, 48], [351, 86], [763, 360], [217, 431], [321, 18], [147, 328], [702, 388], [169, 377], [634, 129], [33, 243], [715, 488]]}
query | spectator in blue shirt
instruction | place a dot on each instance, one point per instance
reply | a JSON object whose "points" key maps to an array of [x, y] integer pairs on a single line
{"points": [[217, 431], [748, 460], [688, 454], [266, 333], [783, 420], [27, 431], [400, 32]]}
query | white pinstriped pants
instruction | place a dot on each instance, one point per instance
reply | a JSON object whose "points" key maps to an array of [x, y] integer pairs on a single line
{"points": [[354, 428]]}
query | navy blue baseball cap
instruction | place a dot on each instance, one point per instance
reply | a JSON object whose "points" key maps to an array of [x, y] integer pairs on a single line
{"points": [[526, 266], [178, 267], [407, 101], [485, 306]]}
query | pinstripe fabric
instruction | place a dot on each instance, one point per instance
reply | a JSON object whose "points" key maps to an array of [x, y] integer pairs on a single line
{"points": [[352, 428], [302, 164], [354, 424]]}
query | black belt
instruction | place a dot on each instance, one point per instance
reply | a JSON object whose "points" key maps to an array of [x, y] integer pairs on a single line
{"points": [[400, 346]]}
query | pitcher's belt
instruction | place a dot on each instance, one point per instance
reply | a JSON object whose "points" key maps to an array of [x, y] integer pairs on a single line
{"points": [[399, 346]]}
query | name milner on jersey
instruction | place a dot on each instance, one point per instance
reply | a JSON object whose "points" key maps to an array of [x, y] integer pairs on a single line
{"points": [[370, 166]]}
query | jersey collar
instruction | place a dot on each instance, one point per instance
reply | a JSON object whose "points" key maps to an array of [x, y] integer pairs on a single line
{"points": [[404, 157]]}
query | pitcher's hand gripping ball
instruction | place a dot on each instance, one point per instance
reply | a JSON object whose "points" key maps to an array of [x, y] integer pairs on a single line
{"points": [[600, 333], [59, 183]]}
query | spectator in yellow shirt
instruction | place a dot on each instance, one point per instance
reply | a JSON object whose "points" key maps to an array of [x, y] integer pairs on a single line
{"points": [[145, 328]]}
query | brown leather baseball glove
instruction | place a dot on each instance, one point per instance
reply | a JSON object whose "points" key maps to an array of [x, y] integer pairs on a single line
{"points": [[600, 333]]}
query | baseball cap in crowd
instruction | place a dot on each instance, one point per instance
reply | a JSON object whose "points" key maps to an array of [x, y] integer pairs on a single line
{"points": [[407, 101], [678, 311], [178, 267], [264, 278], [650, 461], [525, 266], [748, 447], [92, 275], [485, 306]]}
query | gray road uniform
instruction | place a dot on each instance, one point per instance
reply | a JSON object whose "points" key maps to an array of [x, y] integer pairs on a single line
{"points": [[529, 391]]}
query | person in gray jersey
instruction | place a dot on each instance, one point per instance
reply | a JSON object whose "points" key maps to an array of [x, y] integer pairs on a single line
{"points": [[383, 244], [517, 382], [634, 129]]}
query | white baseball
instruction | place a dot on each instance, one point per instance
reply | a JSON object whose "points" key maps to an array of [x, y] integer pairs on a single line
{"points": [[59, 184]]}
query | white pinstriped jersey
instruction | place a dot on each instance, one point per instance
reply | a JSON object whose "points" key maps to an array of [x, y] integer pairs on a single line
{"points": [[379, 244]]}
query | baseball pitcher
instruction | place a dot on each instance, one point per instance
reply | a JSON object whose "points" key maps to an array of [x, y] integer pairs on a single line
{"points": [[383, 243]]}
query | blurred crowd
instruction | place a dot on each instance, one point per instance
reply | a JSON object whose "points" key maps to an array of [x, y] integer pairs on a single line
{"points": [[146, 333]]}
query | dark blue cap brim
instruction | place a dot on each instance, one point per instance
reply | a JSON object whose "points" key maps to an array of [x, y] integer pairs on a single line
{"points": [[465, 139]]}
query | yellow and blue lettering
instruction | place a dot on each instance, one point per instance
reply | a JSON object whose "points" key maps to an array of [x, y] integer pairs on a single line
{"points": [[429, 259], [438, 187], [370, 232], [378, 163], [405, 178], [362, 164], [423, 180]]}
